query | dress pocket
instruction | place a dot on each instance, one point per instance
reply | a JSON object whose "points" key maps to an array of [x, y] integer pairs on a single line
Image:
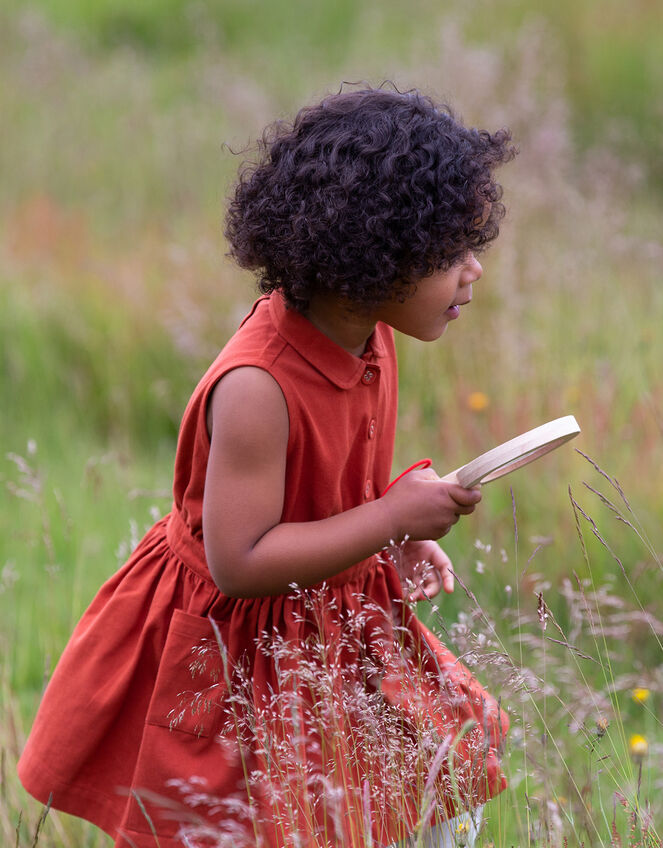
{"points": [[190, 683]]}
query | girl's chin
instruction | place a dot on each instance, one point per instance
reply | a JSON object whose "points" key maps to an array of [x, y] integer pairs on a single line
{"points": [[433, 334]]}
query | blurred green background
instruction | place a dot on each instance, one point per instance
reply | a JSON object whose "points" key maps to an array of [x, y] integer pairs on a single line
{"points": [[123, 125]]}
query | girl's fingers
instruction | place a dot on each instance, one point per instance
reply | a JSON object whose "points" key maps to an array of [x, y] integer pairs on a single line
{"points": [[465, 497], [432, 584]]}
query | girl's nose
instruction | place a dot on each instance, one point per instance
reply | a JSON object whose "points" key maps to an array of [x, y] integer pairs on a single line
{"points": [[473, 269]]}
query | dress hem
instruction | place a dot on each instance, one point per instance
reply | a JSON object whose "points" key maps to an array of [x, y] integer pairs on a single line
{"points": [[70, 797]]}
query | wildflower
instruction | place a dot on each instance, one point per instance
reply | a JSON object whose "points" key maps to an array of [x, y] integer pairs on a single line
{"points": [[477, 401], [638, 746], [572, 395], [463, 827], [602, 725], [640, 694]]}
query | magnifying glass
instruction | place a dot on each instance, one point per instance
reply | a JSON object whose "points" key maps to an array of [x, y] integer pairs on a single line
{"points": [[510, 455]]}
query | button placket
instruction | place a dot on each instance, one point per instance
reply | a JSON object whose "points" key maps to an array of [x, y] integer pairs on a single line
{"points": [[368, 378]]}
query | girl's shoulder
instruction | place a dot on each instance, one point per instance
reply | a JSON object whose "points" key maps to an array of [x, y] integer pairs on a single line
{"points": [[256, 342]]}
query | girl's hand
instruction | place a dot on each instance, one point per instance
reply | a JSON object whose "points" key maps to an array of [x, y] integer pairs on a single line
{"points": [[422, 506], [425, 566]]}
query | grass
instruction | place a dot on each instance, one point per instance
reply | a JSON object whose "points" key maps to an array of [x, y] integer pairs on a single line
{"points": [[566, 659], [609, 51], [115, 294]]}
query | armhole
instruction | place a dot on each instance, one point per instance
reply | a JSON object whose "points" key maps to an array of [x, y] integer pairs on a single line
{"points": [[209, 390]]}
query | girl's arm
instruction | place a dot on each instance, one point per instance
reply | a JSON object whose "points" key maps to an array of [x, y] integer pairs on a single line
{"points": [[249, 553]]}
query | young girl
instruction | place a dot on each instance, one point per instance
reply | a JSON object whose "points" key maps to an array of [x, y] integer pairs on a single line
{"points": [[204, 698]]}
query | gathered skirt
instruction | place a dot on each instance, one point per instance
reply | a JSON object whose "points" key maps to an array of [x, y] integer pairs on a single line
{"points": [[179, 716]]}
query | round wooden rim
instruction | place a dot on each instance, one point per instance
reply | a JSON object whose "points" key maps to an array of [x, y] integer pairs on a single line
{"points": [[517, 452]]}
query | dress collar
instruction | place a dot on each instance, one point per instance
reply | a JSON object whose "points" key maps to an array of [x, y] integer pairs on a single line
{"points": [[334, 362]]}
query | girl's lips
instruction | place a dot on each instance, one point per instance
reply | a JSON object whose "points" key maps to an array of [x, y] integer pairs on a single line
{"points": [[452, 312]]}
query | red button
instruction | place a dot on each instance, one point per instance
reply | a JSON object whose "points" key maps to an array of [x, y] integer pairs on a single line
{"points": [[371, 428], [367, 489], [369, 376]]}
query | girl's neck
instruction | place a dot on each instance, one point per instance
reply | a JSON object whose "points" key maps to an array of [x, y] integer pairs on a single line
{"points": [[345, 324]]}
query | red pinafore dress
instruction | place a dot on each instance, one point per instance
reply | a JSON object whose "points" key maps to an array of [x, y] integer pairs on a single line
{"points": [[180, 716]]}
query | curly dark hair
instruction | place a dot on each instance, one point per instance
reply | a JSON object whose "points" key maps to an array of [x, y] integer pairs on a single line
{"points": [[364, 194]]}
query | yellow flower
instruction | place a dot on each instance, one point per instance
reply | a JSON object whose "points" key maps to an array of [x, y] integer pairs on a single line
{"points": [[477, 401], [640, 694], [463, 827], [572, 394], [638, 746]]}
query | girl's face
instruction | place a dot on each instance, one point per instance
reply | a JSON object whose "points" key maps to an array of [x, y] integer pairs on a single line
{"points": [[436, 300]]}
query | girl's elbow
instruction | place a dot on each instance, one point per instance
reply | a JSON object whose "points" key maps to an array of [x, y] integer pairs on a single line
{"points": [[229, 586], [239, 567], [223, 573], [224, 584], [231, 576]]}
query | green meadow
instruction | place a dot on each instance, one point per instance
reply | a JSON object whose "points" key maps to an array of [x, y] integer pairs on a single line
{"points": [[123, 125]]}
